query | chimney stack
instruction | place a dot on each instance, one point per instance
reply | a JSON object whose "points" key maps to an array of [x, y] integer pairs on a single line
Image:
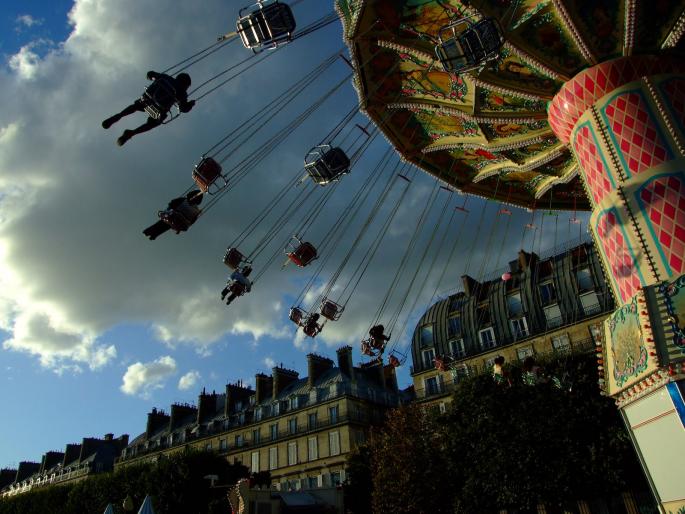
{"points": [[50, 460], [345, 361], [263, 387], [206, 405], [282, 378], [317, 366], [156, 419], [71, 453], [26, 469], [236, 393], [179, 414]]}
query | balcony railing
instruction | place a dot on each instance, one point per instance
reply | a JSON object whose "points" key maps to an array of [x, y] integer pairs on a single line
{"points": [[442, 388]]}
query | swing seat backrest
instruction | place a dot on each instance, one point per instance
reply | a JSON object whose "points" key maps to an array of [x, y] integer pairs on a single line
{"points": [[464, 46], [310, 329], [233, 258], [330, 310], [394, 361], [206, 173], [159, 97], [270, 24], [296, 315], [303, 254], [237, 288], [366, 348], [330, 166]]}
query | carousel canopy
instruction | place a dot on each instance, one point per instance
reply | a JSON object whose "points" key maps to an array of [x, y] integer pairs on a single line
{"points": [[486, 131]]}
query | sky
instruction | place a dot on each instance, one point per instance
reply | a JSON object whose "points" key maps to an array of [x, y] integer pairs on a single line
{"points": [[98, 324]]}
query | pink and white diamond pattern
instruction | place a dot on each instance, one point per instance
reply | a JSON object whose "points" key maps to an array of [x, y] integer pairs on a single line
{"points": [[590, 161], [619, 259], [664, 203], [635, 132], [674, 91], [583, 90]]}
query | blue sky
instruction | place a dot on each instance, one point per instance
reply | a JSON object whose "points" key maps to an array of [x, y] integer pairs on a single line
{"points": [[90, 311]]}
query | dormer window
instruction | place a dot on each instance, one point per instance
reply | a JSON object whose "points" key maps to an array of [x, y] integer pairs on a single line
{"points": [[426, 335]]}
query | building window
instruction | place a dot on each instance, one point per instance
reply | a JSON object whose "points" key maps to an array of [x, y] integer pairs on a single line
{"points": [[255, 462], [590, 303], [483, 316], [255, 436], [428, 358], [487, 338], [454, 326], [333, 414], [312, 420], [457, 348], [553, 316], [584, 279], [548, 293], [335, 478], [522, 353], [442, 407], [456, 302], [312, 482], [273, 430], [561, 343], [514, 304], [312, 449], [292, 453], [223, 444], [238, 441], [334, 443], [432, 386], [520, 328], [292, 425], [459, 373], [208, 447], [426, 335], [273, 458]]}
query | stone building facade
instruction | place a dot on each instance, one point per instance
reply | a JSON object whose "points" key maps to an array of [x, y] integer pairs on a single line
{"points": [[540, 304], [299, 429]]}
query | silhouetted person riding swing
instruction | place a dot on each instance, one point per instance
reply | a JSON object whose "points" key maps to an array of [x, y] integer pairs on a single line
{"points": [[157, 101], [179, 215], [237, 284]]}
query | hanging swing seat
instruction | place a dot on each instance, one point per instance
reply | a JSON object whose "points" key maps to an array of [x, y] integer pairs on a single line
{"points": [[206, 174], [367, 349], [310, 327], [396, 359], [331, 310], [301, 253], [237, 288], [159, 97], [464, 46], [181, 218], [325, 164], [266, 23], [234, 258], [296, 315]]}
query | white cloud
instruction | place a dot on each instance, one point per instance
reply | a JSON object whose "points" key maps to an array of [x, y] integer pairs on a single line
{"points": [[269, 362], [143, 378], [73, 261], [27, 21], [189, 380]]}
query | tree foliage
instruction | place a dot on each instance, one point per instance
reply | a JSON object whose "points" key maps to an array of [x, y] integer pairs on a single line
{"points": [[175, 483], [502, 447]]}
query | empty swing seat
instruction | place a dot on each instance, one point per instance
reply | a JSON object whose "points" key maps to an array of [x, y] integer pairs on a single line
{"points": [[296, 315], [267, 24], [464, 46], [233, 258], [325, 164], [206, 173], [159, 97], [303, 254], [331, 310]]}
